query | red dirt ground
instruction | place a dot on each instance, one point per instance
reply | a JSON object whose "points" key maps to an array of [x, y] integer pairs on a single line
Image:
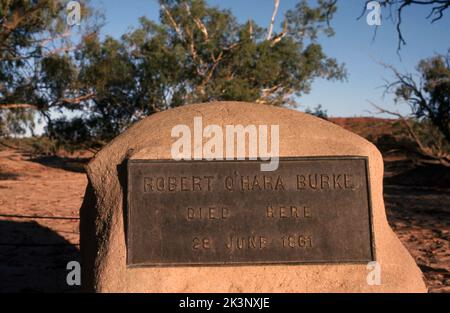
{"points": [[40, 201]]}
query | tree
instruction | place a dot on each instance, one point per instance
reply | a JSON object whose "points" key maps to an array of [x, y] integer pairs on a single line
{"points": [[199, 53], [428, 97], [195, 53], [397, 8], [318, 111], [36, 70]]}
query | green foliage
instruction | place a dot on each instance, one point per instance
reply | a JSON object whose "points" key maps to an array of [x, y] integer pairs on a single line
{"points": [[109, 73], [431, 137], [24, 24], [37, 68], [74, 134], [199, 53], [16, 122], [22, 21], [318, 111], [34, 146], [39, 146], [195, 53], [429, 99]]}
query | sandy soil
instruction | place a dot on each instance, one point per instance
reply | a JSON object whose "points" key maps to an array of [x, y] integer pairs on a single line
{"points": [[39, 209], [417, 202]]}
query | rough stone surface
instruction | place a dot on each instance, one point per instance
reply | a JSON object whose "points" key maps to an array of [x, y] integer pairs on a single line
{"points": [[103, 247]]}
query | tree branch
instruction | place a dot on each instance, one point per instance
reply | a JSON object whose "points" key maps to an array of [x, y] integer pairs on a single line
{"points": [[272, 20], [439, 156], [77, 100], [172, 21], [280, 36], [12, 106], [438, 7]]}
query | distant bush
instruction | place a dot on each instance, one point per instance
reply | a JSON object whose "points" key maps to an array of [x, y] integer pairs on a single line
{"points": [[431, 141], [420, 139], [427, 95], [74, 134], [42, 146], [318, 111], [36, 146]]}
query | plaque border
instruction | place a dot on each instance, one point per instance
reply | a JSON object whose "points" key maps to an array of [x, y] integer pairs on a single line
{"points": [[127, 212]]}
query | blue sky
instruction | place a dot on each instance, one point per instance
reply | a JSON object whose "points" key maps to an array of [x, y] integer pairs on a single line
{"points": [[351, 45]]}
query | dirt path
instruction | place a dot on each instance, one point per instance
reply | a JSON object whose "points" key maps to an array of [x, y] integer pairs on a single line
{"points": [[39, 209]]}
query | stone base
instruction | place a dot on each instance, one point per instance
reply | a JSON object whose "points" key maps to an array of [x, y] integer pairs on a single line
{"points": [[103, 236]]}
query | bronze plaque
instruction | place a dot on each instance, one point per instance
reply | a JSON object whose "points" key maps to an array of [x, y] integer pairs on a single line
{"points": [[310, 210]]}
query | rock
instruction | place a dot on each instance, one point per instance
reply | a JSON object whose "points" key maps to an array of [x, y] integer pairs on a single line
{"points": [[103, 232]]}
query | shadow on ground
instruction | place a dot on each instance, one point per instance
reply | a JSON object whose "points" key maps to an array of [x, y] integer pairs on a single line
{"points": [[8, 175], [417, 202], [33, 258], [408, 174], [66, 163]]}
